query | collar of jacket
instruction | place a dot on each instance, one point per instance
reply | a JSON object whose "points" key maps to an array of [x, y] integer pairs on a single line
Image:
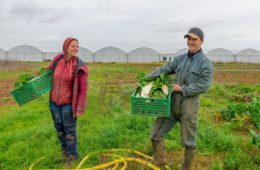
{"points": [[80, 64], [197, 55], [191, 54]]}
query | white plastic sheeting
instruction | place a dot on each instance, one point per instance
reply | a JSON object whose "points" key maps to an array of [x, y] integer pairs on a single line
{"points": [[85, 54], [138, 55], [143, 55], [2, 54], [110, 54], [166, 57], [220, 55], [180, 52], [24, 53], [248, 56], [49, 55]]}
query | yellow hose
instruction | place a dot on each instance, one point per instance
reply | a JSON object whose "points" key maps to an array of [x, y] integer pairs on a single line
{"points": [[120, 157], [147, 164], [115, 167], [135, 152], [82, 161], [87, 156], [138, 153], [116, 163], [38, 160]]}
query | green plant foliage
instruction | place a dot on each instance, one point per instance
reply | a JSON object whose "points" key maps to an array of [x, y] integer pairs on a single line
{"points": [[25, 77], [156, 90], [251, 109], [256, 137]]}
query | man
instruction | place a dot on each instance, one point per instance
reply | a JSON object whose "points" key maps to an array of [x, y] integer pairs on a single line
{"points": [[193, 77]]}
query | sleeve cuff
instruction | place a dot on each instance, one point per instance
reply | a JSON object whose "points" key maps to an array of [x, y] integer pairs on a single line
{"points": [[184, 91], [80, 110]]}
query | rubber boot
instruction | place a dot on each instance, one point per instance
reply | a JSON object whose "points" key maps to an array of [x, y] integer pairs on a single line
{"points": [[70, 161], [64, 155], [188, 158], [159, 158]]}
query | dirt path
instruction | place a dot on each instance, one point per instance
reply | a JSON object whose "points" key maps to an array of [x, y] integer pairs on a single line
{"points": [[6, 85], [249, 77], [200, 162]]}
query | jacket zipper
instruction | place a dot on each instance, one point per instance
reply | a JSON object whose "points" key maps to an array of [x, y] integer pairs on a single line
{"points": [[184, 72], [60, 83], [183, 75]]}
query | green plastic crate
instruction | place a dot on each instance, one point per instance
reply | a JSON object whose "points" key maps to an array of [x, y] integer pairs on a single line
{"points": [[33, 88], [151, 106]]}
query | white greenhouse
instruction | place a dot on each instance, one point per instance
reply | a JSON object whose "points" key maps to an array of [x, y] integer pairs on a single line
{"points": [[85, 54], [220, 55], [49, 55], [138, 55], [2, 54], [248, 56], [24, 53], [180, 52], [110, 54], [166, 57], [143, 55]]}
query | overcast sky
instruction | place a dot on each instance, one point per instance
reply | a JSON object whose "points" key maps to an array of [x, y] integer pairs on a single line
{"points": [[159, 24]]}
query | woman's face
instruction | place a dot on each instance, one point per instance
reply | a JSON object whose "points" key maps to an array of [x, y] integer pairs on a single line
{"points": [[73, 48]]}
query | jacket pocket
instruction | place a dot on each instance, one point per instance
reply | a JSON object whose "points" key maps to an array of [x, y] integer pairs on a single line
{"points": [[194, 76]]}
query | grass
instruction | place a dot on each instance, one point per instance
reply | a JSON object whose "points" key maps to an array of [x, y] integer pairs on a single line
{"points": [[27, 132]]}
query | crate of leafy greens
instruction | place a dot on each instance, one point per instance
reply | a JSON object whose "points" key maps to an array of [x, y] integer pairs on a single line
{"points": [[152, 96], [31, 86]]}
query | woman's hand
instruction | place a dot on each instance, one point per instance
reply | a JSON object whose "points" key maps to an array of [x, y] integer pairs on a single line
{"points": [[37, 73]]}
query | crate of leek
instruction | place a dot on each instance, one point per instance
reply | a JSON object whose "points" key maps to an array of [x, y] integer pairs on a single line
{"points": [[152, 96], [31, 86]]}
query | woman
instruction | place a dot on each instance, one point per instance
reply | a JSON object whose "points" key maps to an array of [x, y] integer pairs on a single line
{"points": [[68, 97]]}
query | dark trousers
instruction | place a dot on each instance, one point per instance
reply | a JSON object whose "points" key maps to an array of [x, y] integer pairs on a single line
{"points": [[65, 126]]}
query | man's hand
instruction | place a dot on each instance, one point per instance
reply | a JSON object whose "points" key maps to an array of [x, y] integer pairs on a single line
{"points": [[176, 88]]}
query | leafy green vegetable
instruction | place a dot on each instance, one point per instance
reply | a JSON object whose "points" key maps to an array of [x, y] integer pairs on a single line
{"points": [[25, 77], [251, 109], [158, 94], [42, 71], [157, 90]]}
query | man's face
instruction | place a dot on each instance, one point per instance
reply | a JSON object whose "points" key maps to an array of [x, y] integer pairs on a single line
{"points": [[194, 43]]}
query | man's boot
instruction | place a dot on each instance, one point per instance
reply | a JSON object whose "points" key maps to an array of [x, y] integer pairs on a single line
{"points": [[159, 158], [70, 161], [188, 157]]}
